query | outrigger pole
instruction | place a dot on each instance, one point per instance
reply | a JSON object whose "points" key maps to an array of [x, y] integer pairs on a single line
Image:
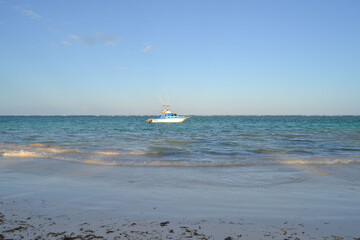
{"points": [[164, 106]]}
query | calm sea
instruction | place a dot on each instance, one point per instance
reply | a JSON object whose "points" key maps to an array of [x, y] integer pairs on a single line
{"points": [[215, 141]]}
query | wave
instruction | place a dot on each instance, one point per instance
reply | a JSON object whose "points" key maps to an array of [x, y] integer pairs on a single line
{"points": [[22, 154], [290, 135], [177, 163], [98, 162], [59, 151], [348, 149], [122, 153], [40, 145], [320, 162], [164, 163], [212, 164], [164, 148], [300, 152], [165, 157], [178, 142], [45, 150], [246, 135], [268, 151], [108, 153]]}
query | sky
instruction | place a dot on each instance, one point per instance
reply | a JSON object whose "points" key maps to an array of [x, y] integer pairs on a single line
{"points": [[89, 57]]}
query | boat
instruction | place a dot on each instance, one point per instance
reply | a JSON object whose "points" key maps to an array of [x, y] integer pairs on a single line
{"points": [[167, 116]]}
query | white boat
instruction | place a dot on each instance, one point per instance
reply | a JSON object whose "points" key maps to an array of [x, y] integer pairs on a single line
{"points": [[167, 116]]}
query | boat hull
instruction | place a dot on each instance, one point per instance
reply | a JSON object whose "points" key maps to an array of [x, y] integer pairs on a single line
{"points": [[168, 120]]}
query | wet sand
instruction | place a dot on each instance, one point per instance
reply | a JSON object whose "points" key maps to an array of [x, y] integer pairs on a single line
{"points": [[46, 199], [97, 225]]}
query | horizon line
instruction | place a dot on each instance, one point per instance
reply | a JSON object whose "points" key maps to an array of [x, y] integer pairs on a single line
{"points": [[198, 115]]}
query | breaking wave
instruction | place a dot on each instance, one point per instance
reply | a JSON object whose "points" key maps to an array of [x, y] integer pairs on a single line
{"points": [[268, 151], [98, 162], [58, 151], [22, 154], [163, 163], [122, 153], [41, 145], [165, 157], [216, 164], [291, 135], [320, 162]]}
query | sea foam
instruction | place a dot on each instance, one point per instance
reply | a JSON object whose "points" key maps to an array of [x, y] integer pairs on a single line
{"points": [[319, 162], [22, 154]]}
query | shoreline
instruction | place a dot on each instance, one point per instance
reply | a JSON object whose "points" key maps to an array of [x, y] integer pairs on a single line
{"points": [[95, 225], [193, 115], [49, 199]]}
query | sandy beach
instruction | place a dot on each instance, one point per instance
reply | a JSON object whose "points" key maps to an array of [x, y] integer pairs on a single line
{"points": [[47, 199], [180, 119], [94, 225]]}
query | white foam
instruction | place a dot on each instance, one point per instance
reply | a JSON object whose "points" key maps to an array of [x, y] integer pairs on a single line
{"points": [[162, 163], [97, 162], [121, 153], [39, 145], [319, 162], [108, 153], [22, 154], [57, 150]]}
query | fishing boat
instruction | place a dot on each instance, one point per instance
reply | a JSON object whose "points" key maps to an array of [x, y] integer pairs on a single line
{"points": [[167, 116]]}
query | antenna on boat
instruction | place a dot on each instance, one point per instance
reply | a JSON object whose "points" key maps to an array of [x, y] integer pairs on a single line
{"points": [[167, 98], [164, 106], [162, 102]]}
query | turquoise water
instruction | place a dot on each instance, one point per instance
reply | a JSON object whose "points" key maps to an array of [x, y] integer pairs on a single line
{"points": [[216, 141], [287, 167]]}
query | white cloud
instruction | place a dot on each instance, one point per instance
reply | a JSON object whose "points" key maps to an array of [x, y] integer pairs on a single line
{"points": [[101, 38], [28, 12], [55, 45], [53, 30], [85, 39], [66, 43], [147, 48], [31, 14], [108, 39]]}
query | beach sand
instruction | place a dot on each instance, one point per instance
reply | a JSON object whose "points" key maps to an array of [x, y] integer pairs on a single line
{"points": [[96, 225], [48, 199]]}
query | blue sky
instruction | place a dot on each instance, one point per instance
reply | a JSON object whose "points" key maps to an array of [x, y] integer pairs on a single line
{"points": [[209, 57]]}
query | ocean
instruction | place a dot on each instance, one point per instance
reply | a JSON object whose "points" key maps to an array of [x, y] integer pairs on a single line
{"points": [[250, 176], [214, 141]]}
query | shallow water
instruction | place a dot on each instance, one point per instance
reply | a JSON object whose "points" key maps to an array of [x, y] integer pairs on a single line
{"points": [[286, 167], [222, 141]]}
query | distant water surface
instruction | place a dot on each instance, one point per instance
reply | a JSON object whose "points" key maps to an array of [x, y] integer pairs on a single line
{"points": [[215, 141]]}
